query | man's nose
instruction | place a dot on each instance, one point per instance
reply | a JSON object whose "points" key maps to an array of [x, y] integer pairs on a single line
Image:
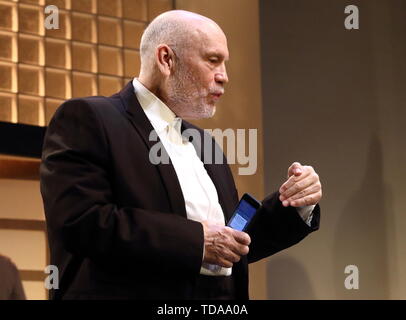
{"points": [[221, 76]]}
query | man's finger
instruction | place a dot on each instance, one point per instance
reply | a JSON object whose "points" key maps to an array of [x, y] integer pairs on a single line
{"points": [[240, 249], [242, 237], [295, 169], [292, 180], [224, 263], [231, 256], [311, 189], [298, 186], [307, 201], [287, 184]]}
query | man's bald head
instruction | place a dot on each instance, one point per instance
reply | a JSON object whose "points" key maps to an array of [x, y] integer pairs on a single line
{"points": [[177, 28]]}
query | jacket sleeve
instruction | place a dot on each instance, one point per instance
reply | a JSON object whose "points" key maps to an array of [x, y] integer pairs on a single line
{"points": [[277, 227], [79, 202]]}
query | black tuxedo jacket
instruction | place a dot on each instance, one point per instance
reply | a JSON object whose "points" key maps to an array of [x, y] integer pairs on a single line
{"points": [[117, 224]]}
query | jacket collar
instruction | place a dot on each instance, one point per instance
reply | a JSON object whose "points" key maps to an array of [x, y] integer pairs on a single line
{"points": [[143, 126]]}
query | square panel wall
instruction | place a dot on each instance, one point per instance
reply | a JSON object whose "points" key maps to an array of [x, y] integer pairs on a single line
{"points": [[84, 84], [31, 49], [94, 51], [30, 19], [8, 103], [30, 110], [8, 14], [31, 80], [84, 57], [57, 53], [64, 23], [110, 61], [109, 31], [83, 27], [57, 83], [8, 46], [8, 77]]}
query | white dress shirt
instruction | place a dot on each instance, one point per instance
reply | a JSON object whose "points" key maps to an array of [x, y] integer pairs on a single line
{"points": [[199, 192]]}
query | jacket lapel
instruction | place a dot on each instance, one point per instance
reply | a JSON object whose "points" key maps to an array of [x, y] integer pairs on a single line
{"points": [[143, 126]]}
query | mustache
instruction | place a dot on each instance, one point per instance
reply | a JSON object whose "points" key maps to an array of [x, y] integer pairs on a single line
{"points": [[216, 91]]}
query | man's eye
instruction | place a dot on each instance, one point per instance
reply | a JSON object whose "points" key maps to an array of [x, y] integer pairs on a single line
{"points": [[213, 60]]}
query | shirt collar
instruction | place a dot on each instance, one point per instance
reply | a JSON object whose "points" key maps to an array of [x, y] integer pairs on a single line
{"points": [[156, 111]]}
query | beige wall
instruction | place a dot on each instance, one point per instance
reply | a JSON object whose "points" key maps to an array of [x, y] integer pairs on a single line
{"points": [[21, 199], [241, 106], [335, 99]]}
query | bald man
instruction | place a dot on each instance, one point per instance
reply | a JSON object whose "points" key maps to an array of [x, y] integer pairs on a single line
{"points": [[123, 226]]}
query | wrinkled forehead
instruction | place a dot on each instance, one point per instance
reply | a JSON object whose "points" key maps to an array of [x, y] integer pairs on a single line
{"points": [[208, 37]]}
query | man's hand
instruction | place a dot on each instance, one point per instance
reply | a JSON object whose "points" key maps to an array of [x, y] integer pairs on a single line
{"points": [[303, 187], [224, 246]]}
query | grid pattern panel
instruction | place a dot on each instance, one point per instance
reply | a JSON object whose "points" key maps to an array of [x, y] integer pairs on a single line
{"points": [[95, 51]]}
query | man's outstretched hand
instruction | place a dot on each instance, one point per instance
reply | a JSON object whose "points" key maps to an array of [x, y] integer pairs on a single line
{"points": [[224, 246], [302, 188]]}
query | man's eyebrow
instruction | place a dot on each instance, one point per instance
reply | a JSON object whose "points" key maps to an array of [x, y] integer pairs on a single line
{"points": [[217, 54]]}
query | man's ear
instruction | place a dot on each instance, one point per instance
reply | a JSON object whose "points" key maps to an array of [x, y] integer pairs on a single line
{"points": [[165, 59]]}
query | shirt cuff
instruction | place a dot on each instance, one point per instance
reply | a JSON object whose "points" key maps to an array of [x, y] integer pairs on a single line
{"points": [[306, 213]]}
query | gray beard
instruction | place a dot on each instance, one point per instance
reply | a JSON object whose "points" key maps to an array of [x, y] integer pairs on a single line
{"points": [[188, 103]]}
